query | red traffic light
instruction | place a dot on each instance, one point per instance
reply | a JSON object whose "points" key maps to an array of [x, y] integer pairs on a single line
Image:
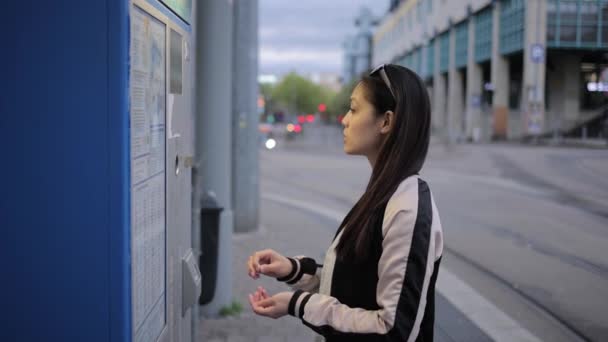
{"points": [[322, 107], [310, 118], [301, 119]]}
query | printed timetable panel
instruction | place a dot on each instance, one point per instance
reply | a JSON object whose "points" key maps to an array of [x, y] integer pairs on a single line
{"points": [[147, 91]]}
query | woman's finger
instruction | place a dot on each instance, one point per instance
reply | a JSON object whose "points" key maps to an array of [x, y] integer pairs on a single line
{"points": [[259, 258], [252, 269], [259, 308], [249, 267], [258, 296], [259, 293], [266, 302], [263, 292], [264, 257], [269, 269], [256, 261], [254, 299]]}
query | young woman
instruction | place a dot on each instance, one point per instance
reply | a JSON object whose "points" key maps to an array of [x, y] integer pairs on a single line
{"points": [[377, 282]]}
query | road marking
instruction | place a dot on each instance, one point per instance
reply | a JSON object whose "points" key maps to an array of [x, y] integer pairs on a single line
{"points": [[489, 318]]}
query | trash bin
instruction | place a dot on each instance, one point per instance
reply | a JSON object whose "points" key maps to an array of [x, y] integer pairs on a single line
{"points": [[208, 260]]}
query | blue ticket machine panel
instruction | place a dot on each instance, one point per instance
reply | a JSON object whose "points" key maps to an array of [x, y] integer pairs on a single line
{"points": [[97, 210]]}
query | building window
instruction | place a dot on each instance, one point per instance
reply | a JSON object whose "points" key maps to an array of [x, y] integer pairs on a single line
{"points": [[444, 51], [588, 34], [483, 35], [462, 43], [511, 26], [576, 23], [604, 15], [567, 33], [568, 12], [431, 57]]}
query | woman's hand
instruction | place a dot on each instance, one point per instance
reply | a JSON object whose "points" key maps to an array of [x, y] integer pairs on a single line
{"points": [[269, 263], [273, 307]]}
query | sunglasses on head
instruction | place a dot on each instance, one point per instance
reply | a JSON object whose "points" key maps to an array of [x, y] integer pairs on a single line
{"points": [[380, 70]]}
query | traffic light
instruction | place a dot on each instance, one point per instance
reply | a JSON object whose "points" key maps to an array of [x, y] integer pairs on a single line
{"points": [[322, 108]]}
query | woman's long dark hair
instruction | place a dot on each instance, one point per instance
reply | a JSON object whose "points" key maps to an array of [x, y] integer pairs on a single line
{"points": [[401, 155]]}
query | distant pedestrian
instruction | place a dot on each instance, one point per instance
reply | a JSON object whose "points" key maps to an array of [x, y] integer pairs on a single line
{"points": [[377, 282]]}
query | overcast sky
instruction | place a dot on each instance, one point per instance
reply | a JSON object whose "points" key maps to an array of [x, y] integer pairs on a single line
{"points": [[307, 35]]}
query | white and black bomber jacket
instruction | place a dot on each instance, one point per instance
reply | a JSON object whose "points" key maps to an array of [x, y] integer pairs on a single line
{"points": [[390, 296]]}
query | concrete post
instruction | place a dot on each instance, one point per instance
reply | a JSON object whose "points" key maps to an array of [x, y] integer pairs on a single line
{"points": [[438, 123], [500, 79], [473, 91], [245, 175], [454, 109], [424, 67], [213, 137], [535, 47]]}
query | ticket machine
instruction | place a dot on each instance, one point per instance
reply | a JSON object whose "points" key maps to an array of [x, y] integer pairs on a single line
{"points": [[98, 213]]}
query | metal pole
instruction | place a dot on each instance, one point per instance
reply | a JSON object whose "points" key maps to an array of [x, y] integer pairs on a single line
{"points": [[213, 132], [245, 177]]}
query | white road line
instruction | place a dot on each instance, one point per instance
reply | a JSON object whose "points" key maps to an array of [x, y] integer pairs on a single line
{"points": [[489, 318]]}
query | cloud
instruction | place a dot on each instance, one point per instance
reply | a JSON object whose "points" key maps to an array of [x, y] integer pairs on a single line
{"points": [[299, 36], [273, 60], [295, 55], [307, 36]]}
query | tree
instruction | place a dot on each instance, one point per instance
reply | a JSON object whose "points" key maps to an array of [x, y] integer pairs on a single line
{"points": [[340, 102], [296, 94], [266, 90]]}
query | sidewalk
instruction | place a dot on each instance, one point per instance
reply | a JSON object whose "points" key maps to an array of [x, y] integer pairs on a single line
{"points": [[292, 232], [289, 232]]}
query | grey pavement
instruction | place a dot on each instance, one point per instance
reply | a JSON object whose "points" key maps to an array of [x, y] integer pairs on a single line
{"points": [[287, 231]]}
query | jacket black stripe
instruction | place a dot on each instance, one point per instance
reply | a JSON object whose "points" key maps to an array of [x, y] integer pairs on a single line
{"points": [[427, 328], [411, 292]]}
